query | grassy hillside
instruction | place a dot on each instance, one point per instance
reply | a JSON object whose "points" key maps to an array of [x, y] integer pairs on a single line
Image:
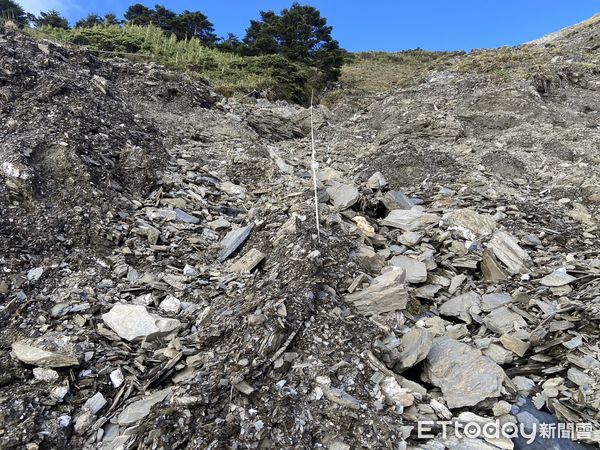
{"points": [[271, 76]]}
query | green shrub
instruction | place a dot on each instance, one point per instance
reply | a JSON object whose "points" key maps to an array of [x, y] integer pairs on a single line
{"points": [[271, 76]]}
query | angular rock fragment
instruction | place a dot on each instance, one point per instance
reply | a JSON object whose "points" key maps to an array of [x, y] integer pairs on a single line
{"points": [[343, 196], [558, 278], [409, 220], [134, 322], [386, 293], [515, 345], [465, 376], [472, 224], [376, 181], [248, 262], [396, 200], [394, 394], [416, 271], [141, 408], [182, 216], [233, 240], [464, 307], [490, 302], [49, 350], [502, 320], [491, 269], [414, 348], [508, 251]]}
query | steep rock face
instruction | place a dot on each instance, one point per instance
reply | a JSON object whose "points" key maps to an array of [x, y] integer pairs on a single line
{"points": [[134, 194]]}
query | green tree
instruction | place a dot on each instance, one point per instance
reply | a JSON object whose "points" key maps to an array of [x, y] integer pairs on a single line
{"points": [[139, 14], [110, 19], [52, 19], [298, 33], [190, 24], [163, 18], [231, 44], [13, 11], [90, 21]]}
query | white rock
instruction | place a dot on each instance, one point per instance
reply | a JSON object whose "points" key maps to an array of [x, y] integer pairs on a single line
{"points": [[134, 322], [95, 403], [117, 378], [141, 408], [46, 375], [35, 274], [170, 304]]}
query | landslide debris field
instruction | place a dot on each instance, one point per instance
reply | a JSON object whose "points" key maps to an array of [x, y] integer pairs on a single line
{"points": [[162, 284]]}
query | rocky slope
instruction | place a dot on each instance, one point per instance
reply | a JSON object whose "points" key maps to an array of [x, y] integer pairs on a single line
{"points": [[163, 284]]}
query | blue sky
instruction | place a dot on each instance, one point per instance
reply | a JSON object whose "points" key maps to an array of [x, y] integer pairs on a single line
{"points": [[385, 24]]}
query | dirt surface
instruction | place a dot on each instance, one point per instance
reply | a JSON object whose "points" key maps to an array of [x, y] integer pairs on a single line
{"points": [[127, 185]]}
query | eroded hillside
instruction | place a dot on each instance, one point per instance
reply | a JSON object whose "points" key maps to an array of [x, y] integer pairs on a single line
{"points": [[163, 284]]}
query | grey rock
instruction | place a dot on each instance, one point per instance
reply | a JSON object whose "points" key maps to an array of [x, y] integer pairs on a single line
{"points": [[377, 181], [416, 271], [502, 320], [386, 293], [409, 220], [134, 322], [95, 403], [463, 306], [508, 251], [141, 408], [343, 196], [49, 350], [557, 278], [414, 348], [233, 240], [490, 302], [472, 223], [182, 216], [465, 376], [396, 200]]}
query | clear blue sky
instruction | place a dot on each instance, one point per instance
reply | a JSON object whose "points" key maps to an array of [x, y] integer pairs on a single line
{"points": [[382, 24]]}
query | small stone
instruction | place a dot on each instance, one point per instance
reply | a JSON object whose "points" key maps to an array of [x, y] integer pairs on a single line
{"points": [[501, 408], [182, 216], [472, 224], [141, 408], [464, 307], [514, 344], [219, 224], [134, 322], [95, 403], [490, 302], [117, 378], [233, 240], [35, 274], [416, 271], [50, 350], [190, 271], [46, 375], [579, 378], [507, 250], [170, 304], [397, 200], [414, 348], [409, 220], [558, 278], [394, 394], [343, 196], [502, 320], [385, 294], [376, 181], [248, 262]]}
